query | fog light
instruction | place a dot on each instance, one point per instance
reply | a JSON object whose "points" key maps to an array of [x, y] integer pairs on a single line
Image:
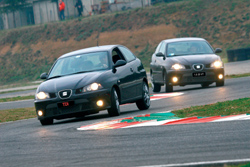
{"points": [[40, 113], [175, 79], [220, 76], [99, 103]]}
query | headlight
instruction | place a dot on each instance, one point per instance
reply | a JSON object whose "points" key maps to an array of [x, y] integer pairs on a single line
{"points": [[92, 87], [88, 88], [42, 95], [177, 67], [216, 64]]}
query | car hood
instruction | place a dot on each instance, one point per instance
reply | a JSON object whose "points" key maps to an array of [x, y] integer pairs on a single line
{"points": [[194, 59], [69, 82]]}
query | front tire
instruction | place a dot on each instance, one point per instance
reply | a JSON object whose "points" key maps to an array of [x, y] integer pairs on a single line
{"points": [[156, 87], [47, 121], [144, 103], [168, 88], [115, 104]]}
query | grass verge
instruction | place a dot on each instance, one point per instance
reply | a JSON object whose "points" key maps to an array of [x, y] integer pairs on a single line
{"points": [[234, 107], [16, 98], [13, 91], [237, 75], [17, 114]]}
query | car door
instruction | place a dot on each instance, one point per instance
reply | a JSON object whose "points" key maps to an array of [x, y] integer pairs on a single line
{"points": [[125, 75], [159, 64], [138, 70]]}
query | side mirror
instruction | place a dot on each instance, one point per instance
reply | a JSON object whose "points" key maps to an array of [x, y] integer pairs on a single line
{"points": [[44, 75], [118, 64], [218, 50], [160, 55]]}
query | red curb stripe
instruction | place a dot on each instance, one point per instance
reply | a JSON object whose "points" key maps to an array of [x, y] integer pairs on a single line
{"points": [[209, 119], [159, 97], [203, 120], [125, 124], [181, 121], [121, 125]]}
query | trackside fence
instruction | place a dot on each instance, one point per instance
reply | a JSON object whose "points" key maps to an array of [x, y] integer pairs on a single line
{"points": [[238, 54]]}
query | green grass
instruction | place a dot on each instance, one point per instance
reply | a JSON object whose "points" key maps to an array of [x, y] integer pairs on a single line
{"points": [[17, 114], [239, 106], [19, 84], [239, 165], [16, 98], [237, 75], [12, 91]]}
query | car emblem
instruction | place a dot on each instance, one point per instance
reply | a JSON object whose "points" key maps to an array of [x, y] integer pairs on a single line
{"points": [[65, 93], [198, 67]]}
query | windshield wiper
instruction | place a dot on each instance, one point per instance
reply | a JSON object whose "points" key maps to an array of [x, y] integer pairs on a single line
{"points": [[57, 76], [174, 55], [81, 72]]}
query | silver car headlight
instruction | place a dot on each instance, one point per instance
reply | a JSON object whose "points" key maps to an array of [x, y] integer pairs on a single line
{"points": [[217, 64], [92, 87], [42, 96], [177, 67]]}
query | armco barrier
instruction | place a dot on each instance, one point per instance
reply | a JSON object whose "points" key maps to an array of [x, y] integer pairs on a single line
{"points": [[248, 53], [230, 55], [238, 54]]}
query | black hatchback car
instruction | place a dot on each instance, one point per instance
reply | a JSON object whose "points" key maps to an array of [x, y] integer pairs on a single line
{"points": [[184, 61], [90, 80]]}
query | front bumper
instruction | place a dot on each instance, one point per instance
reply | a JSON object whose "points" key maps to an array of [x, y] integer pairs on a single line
{"points": [[185, 77], [82, 104]]}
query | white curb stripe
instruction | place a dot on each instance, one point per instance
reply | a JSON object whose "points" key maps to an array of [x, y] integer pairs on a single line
{"points": [[150, 123], [97, 126], [247, 118], [201, 163], [238, 117]]}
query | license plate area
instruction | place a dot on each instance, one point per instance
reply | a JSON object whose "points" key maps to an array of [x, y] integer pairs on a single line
{"points": [[199, 74], [65, 104]]}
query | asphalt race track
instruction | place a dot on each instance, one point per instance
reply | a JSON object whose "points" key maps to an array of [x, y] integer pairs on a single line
{"points": [[27, 143]]}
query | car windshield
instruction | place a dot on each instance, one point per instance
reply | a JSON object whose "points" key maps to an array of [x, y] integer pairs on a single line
{"points": [[188, 48], [79, 64]]}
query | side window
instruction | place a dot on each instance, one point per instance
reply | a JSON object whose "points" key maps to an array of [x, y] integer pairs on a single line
{"points": [[158, 48], [116, 55], [163, 48], [127, 54]]}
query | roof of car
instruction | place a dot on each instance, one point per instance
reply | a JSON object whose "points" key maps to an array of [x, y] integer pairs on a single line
{"points": [[183, 39], [91, 49]]}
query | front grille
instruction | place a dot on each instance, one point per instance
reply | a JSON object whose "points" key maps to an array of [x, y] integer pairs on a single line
{"points": [[52, 95], [198, 67], [187, 67], [72, 109], [64, 94]]}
